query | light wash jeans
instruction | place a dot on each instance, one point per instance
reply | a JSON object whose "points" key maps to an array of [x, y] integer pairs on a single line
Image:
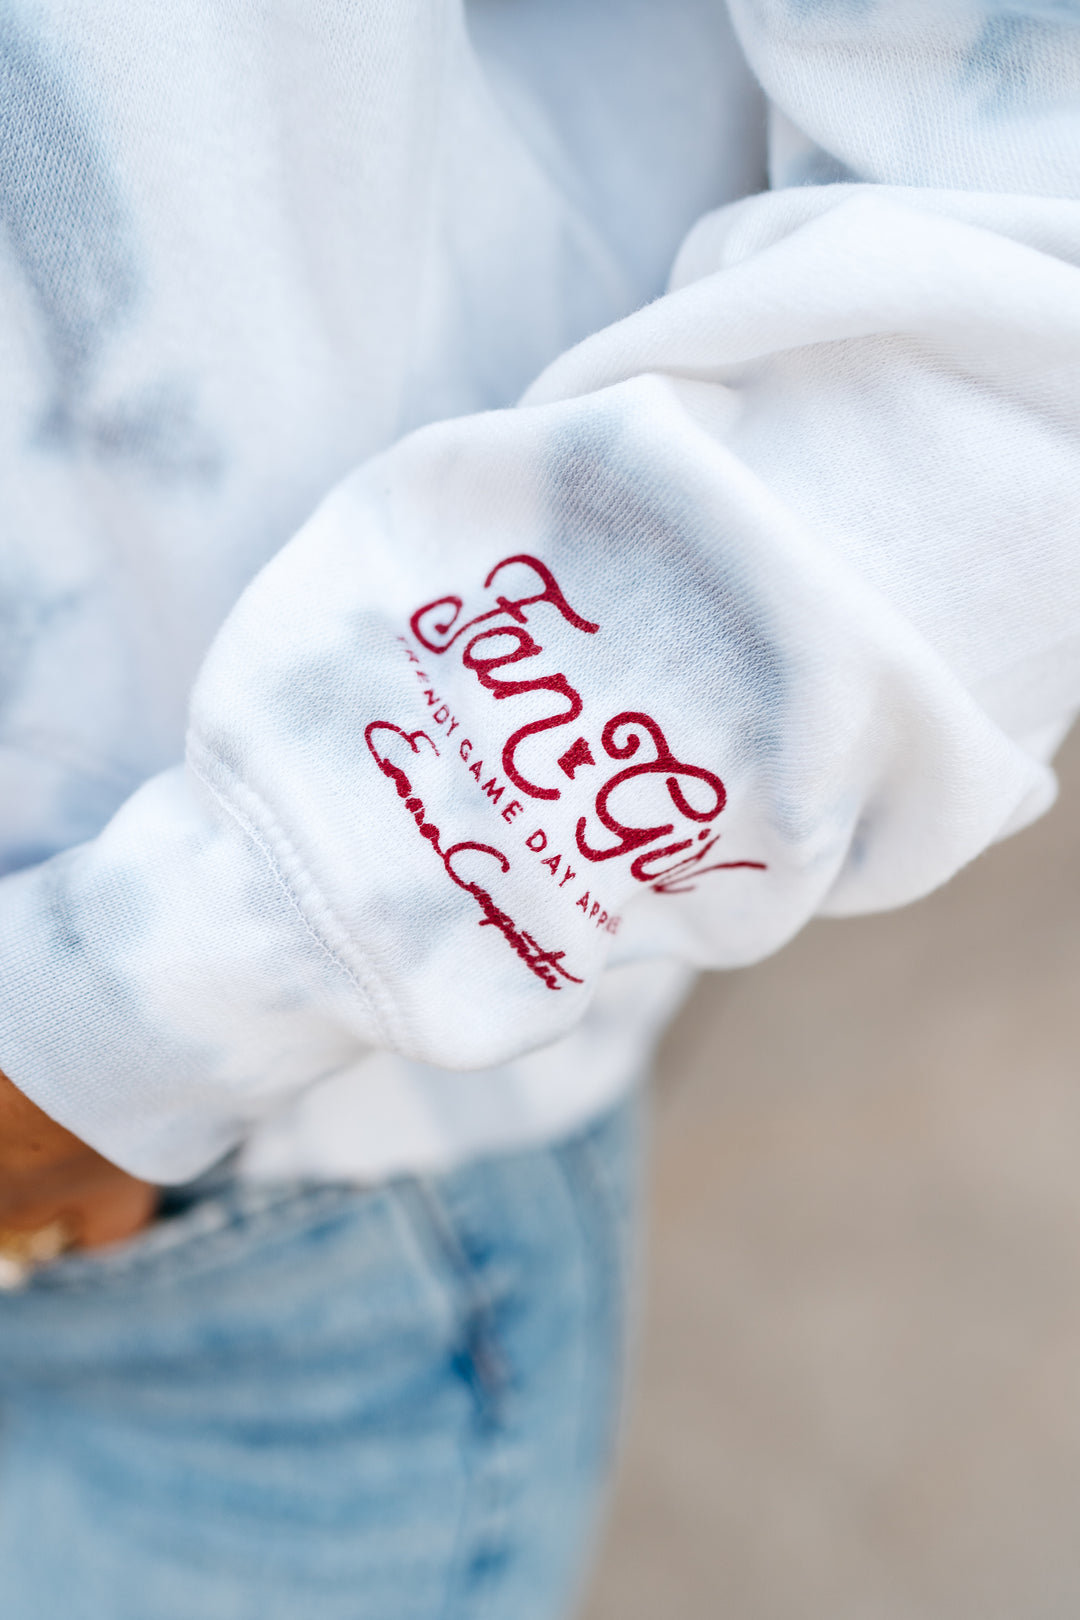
{"points": [[325, 1403]]}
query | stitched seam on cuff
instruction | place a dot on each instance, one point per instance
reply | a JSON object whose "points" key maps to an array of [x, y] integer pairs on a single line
{"points": [[257, 820]]}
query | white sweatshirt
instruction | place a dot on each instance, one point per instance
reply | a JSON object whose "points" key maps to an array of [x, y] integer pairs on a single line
{"points": [[764, 601]]}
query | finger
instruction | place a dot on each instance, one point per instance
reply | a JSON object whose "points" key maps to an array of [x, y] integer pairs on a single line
{"points": [[98, 1210], [114, 1214]]}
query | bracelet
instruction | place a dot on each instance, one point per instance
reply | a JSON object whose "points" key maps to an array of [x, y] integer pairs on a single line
{"points": [[22, 1252]]}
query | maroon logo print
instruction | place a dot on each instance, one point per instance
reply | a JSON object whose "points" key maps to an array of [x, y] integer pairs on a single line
{"points": [[502, 637]]}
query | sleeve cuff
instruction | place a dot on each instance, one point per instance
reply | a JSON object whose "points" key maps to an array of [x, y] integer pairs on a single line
{"points": [[158, 990]]}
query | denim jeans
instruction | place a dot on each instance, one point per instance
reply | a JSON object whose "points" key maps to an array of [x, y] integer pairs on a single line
{"points": [[319, 1402]]}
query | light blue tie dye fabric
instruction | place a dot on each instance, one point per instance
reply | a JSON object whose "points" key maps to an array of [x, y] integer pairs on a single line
{"points": [[764, 602]]}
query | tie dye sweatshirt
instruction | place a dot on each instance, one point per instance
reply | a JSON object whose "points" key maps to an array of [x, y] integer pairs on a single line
{"points": [[594, 482]]}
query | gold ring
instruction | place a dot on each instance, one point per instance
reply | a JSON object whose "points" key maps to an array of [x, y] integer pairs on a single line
{"points": [[21, 1252]]}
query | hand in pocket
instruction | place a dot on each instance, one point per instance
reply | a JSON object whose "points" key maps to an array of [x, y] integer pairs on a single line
{"points": [[55, 1191]]}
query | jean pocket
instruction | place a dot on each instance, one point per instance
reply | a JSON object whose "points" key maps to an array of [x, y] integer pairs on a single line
{"points": [[197, 1228]]}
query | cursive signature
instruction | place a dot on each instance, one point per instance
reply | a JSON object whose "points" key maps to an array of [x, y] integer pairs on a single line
{"points": [[547, 965]]}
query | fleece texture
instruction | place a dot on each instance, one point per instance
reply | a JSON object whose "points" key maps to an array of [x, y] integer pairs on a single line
{"points": [[762, 600]]}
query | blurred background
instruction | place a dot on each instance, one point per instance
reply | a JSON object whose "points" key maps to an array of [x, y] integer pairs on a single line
{"points": [[858, 1394]]}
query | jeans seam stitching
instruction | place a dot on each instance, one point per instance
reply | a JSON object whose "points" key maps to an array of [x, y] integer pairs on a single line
{"points": [[488, 1439]]}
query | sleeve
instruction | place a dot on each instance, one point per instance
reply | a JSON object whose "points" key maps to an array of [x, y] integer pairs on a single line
{"points": [[763, 604]]}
